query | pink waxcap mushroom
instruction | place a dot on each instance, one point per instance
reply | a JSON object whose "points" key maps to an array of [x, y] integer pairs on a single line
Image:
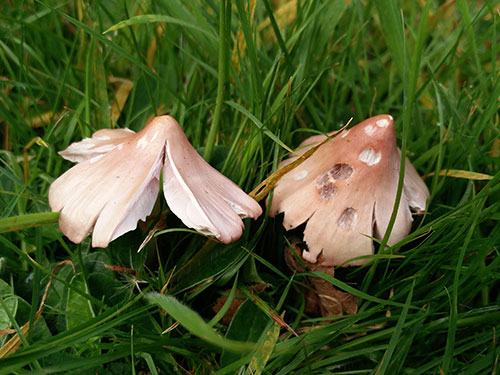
{"points": [[202, 197], [116, 184], [346, 192]]}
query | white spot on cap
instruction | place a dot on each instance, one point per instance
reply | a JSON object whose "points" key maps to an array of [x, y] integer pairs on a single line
{"points": [[103, 138], [299, 176], [237, 209], [369, 156], [95, 158], [345, 133], [391, 118], [154, 136], [143, 142], [120, 146], [370, 130], [104, 149], [84, 145], [383, 123]]}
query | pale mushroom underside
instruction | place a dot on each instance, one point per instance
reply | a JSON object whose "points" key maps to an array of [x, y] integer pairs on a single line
{"points": [[116, 184]]}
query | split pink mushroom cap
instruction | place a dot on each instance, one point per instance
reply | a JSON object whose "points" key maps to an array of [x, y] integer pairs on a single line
{"points": [[346, 192], [116, 184]]}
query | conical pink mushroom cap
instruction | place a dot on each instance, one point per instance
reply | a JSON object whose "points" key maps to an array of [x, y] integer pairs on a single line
{"points": [[346, 192], [116, 184]]}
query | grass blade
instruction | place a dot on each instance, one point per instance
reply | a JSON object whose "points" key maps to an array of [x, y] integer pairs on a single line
{"points": [[193, 322]]}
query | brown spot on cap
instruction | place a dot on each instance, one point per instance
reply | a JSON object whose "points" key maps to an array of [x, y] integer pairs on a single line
{"points": [[327, 190], [323, 179], [341, 171], [348, 218]]}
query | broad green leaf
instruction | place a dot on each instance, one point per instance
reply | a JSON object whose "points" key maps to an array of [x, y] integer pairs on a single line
{"points": [[248, 324], [194, 323], [10, 304], [5, 288], [78, 308], [264, 350], [207, 265]]}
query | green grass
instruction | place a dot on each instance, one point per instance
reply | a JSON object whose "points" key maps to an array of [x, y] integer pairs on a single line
{"points": [[246, 88]]}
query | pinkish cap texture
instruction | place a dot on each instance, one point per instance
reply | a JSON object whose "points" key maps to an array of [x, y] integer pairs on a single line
{"points": [[346, 193], [116, 183]]}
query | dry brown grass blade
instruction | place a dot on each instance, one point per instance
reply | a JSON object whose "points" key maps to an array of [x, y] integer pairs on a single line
{"points": [[164, 288], [44, 119], [443, 12], [240, 45], [6, 136], [160, 111], [11, 346], [40, 142], [284, 15], [266, 309], [153, 45], [495, 148], [458, 173], [121, 96], [119, 269], [270, 182], [160, 225], [494, 153]]}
